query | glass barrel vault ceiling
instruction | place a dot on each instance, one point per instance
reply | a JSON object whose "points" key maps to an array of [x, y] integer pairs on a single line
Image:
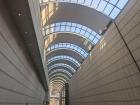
{"points": [[67, 46], [64, 57], [60, 70], [110, 8], [77, 29], [61, 65]]}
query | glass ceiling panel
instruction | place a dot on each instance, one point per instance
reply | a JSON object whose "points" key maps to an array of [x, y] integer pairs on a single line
{"points": [[71, 59], [60, 70], [61, 65], [68, 46], [77, 29], [111, 8]]}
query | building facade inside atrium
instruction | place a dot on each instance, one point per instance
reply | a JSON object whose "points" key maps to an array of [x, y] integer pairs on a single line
{"points": [[69, 52]]}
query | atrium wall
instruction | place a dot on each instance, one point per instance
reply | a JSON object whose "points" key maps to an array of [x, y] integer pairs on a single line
{"points": [[109, 75], [18, 82]]}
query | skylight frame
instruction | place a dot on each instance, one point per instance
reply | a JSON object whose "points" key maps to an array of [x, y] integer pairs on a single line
{"points": [[75, 28], [68, 46], [64, 57], [58, 78], [59, 75], [61, 65], [60, 70], [99, 5]]}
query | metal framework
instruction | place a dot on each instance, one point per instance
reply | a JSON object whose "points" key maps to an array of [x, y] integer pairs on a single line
{"points": [[69, 27], [64, 57], [67, 46], [60, 75], [60, 70], [111, 8], [58, 78], [61, 65]]}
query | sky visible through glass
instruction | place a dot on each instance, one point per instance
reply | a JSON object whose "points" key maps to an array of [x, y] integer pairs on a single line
{"points": [[111, 8]]}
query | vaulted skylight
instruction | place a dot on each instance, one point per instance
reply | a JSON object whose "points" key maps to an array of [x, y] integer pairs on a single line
{"points": [[64, 57], [110, 8], [68, 46], [77, 29], [60, 70], [61, 65]]}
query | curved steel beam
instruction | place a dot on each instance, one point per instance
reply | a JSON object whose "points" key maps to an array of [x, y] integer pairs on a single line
{"points": [[60, 73], [71, 59], [58, 78], [106, 7], [67, 46], [61, 65], [77, 14], [66, 61], [60, 70], [70, 53]]}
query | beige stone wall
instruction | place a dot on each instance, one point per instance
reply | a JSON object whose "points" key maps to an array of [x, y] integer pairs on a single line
{"points": [[18, 82], [109, 75]]}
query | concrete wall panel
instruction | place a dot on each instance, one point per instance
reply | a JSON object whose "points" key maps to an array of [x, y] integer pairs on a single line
{"points": [[109, 75], [18, 82]]}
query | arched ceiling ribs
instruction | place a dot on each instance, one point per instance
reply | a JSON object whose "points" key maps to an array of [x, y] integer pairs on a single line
{"points": [[110, 8], [63, 61], [65, 38], [57, 81], [62, 65], [58, 78], [67, 46], [71, 28], [59, 75], [70, 53], [64, 57], [91, 18], [60, 70], [59, 85]]}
